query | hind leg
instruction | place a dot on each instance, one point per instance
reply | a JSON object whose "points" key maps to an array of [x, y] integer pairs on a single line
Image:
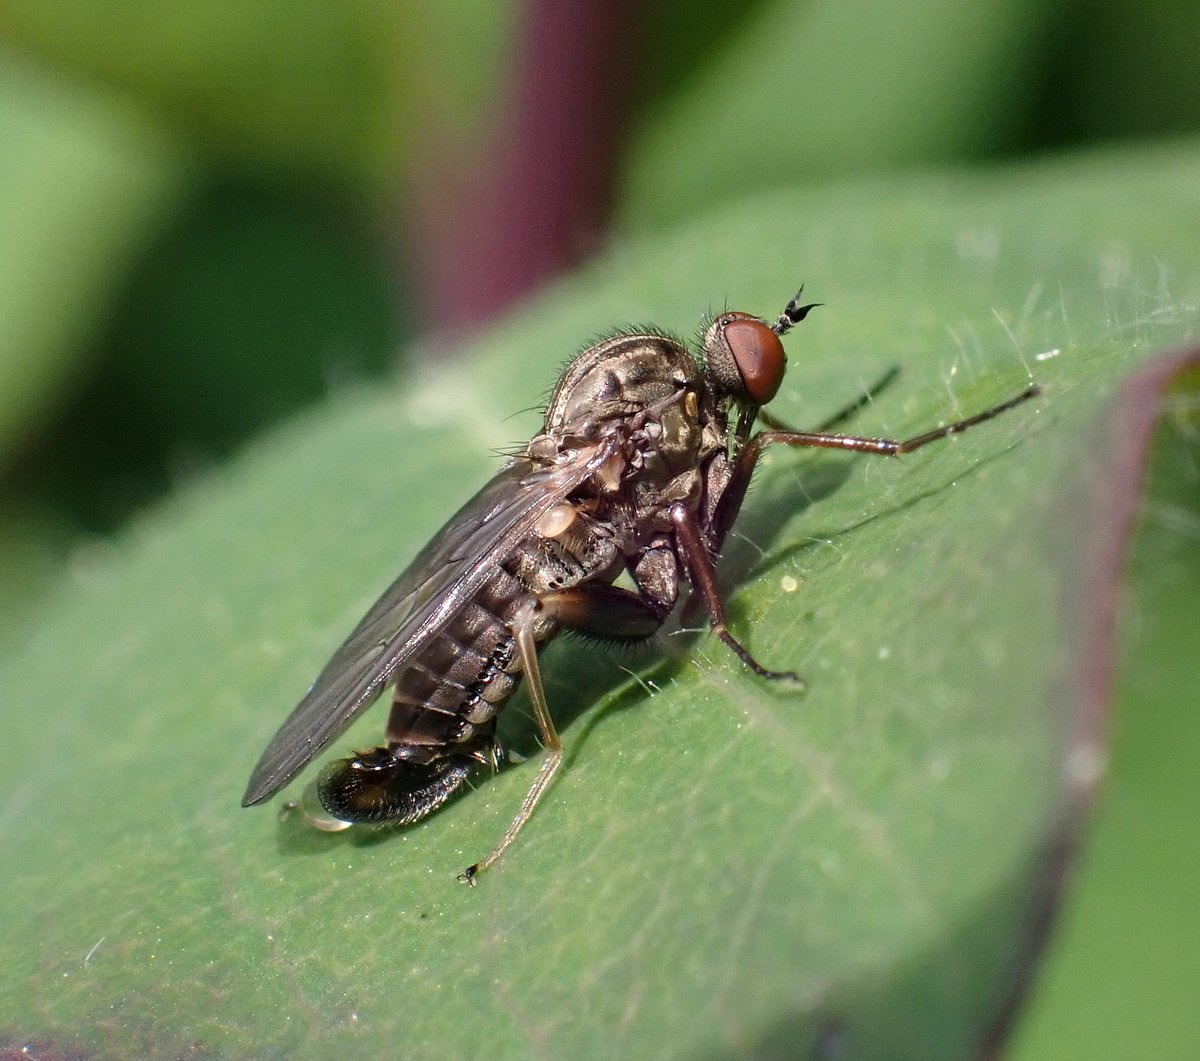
{"points": [[599, 610]]}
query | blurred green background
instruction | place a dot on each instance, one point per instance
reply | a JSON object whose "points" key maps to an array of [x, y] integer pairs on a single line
{"points": [[213, 216]]}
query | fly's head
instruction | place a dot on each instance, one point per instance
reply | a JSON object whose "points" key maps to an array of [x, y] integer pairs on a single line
{"points": [[743, 355]]}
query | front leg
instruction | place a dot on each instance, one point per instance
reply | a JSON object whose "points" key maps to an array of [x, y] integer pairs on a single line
{"points": [[738, 476], [703, 573]]}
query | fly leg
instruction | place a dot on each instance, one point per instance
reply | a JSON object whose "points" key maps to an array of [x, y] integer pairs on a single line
{"points": [[601, 610], [699, 548], [743, 468], [524, 627], [884, 447], [704, 580]]}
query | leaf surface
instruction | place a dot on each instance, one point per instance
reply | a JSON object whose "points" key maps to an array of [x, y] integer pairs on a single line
{"points": [[723, 866]]}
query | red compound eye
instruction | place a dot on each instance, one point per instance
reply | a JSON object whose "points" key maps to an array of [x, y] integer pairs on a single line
{"points": [[757, 353]]}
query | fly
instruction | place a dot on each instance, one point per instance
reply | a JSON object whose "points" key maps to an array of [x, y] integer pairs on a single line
{"points": [[641, 467]]}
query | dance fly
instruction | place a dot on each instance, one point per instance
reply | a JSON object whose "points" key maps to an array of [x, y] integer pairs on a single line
{"points": [[640, 470]]}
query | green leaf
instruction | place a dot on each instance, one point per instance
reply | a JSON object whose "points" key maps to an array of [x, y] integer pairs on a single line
{"points": [[291, 89], [838, 86], [86, 180], [724, 865]]}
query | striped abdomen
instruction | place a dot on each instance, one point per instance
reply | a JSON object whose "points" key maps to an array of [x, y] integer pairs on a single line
{"points": [[444, 706], [453, 690]]}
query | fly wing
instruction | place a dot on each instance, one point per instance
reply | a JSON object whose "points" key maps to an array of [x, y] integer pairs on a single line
{"points": [[434, 588]]}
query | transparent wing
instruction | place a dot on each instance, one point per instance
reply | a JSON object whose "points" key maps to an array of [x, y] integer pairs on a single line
{"points": [[434, 588]]}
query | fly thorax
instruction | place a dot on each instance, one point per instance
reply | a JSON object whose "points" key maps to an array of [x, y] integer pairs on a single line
{"points": [[543, 449], [652, 502], [717, 473], [617, 379], [676, 437], [714, 435], [684, 487]]}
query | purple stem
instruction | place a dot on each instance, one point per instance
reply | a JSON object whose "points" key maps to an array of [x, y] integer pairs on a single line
{"points": [[537, 196]]}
